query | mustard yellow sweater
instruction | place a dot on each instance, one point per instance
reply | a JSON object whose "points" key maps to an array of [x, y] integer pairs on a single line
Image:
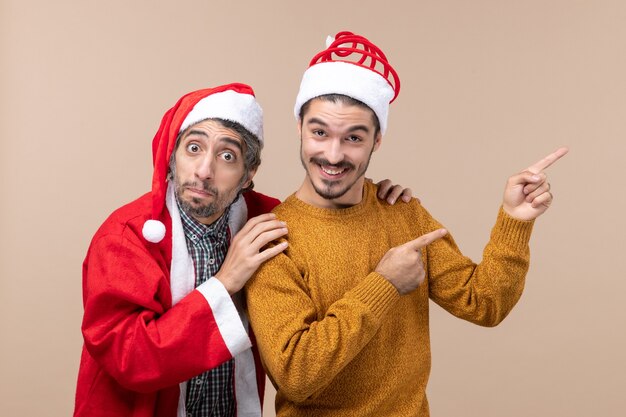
{"points": [[336, 338]]}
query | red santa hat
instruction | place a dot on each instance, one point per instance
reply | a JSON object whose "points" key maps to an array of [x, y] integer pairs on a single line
{"points": [[353, 66], [235, 102]]}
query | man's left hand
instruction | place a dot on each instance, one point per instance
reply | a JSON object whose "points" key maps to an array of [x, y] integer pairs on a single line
{"points": [[527, 194]]}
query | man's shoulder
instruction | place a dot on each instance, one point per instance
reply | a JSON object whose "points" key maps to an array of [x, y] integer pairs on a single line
{"points": [[258, 203], [133, 215], [123, 229], [288, 207]]}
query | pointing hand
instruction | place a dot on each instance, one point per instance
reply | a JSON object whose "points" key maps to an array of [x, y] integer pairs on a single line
{"points": [[527, 194], [402, 265]]}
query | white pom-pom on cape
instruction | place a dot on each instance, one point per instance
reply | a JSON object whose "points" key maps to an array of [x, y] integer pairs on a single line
{"points": [[153, 231]]}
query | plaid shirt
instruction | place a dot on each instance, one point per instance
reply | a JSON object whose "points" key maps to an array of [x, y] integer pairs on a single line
{"points": [[210, 393]]}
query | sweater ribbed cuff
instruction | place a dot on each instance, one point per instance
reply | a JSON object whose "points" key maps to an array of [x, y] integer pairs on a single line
{"points": [[511, 231], [377, 293]]}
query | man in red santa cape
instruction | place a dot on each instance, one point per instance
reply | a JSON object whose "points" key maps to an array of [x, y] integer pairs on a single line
{"points": [[164, 332]]}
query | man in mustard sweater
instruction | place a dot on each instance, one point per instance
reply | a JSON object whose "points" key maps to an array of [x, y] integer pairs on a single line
{"points": [[341, 317]]}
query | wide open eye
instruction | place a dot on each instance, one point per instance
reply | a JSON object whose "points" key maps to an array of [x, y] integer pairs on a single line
{"points": [[193, 148], [228, 156]]}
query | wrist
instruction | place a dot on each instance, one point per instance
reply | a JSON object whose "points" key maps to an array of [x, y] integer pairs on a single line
{"points": [[226, 283]]}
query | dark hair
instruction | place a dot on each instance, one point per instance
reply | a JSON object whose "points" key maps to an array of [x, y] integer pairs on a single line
{"points": [[251, 154], [341, 98]]}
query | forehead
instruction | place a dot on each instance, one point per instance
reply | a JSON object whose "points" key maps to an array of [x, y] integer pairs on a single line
{"points": [[338, 113], [211, 129]]}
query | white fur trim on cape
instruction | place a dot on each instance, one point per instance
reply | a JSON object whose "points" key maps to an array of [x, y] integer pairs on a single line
{"points": [[248, 401], [182, 274], [226, 316], [247, 393], [182, 399], [237, 216], [348, 79], [228, 105]]}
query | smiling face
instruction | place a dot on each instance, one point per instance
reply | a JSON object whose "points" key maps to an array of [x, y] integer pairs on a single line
{"points": [[337, 140], [209, 170]]}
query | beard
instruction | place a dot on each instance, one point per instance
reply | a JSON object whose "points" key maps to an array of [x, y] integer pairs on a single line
{"points": [[332, 189], [196, 208]]}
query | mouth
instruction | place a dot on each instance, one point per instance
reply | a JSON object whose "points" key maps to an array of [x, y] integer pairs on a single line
{"points": [[332, 171], [199, 192]]}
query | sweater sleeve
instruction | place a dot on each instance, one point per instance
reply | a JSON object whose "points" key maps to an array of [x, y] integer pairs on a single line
{"points": [[303, 352], [129, 328], [485, 293]]}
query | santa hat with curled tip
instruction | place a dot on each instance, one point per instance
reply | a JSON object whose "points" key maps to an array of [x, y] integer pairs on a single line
{"points": [[235, 102], [351, 65]]}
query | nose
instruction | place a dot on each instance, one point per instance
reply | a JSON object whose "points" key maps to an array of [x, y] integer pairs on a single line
{"points": [[205, 167], [334, 153]]}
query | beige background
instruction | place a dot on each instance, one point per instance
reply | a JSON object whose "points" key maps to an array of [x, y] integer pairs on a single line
{"points": [[488, 87]]}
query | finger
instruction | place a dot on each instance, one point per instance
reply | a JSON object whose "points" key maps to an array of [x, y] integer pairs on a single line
{"points": [[547, 161], [544, 188], [393, 195], [266, 237], [532, 186], [383, 188], [253, 230], [271, 252], [256, 220], [258, 233], [544, 199], [407, 194], [425, 240]]}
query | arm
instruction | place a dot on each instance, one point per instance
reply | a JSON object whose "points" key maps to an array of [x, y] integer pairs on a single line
{"points": [[304, 351], [132, 333], [486, 293], [483, 294]]}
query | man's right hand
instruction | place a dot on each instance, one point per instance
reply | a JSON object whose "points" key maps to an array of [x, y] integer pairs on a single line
{"points": [[245, 255], [402, 265]]}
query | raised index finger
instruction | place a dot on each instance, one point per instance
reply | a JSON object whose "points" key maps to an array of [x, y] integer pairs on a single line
{"points": [[427, 239], [539, 166]]}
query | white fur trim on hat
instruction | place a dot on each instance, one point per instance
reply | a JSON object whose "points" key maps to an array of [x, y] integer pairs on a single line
{"points": [[228, 105], [338, 77]]}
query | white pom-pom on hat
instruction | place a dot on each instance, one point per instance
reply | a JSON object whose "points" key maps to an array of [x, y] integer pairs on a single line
{"points": [[153, 231]]}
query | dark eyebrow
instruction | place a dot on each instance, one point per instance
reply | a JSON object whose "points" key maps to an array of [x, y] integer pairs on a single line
{"points": [[196, 132], [229, 140], [359, 127], [233, 142], [315, 120]]}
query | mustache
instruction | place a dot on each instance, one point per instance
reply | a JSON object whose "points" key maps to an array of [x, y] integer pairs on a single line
{"points": [[203, 185], [340, 164]]}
